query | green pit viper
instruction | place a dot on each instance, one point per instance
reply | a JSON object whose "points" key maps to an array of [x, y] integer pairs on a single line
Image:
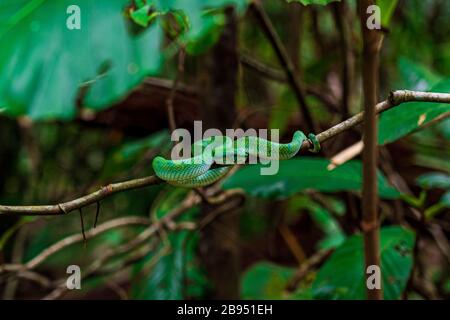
{"points": [[197, 171]]}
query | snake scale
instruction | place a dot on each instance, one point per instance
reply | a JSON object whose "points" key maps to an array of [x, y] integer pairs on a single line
{"points": [[198, 171]]}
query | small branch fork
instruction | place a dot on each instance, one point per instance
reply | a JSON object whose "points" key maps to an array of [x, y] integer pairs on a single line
{"points": [[395, 98]]}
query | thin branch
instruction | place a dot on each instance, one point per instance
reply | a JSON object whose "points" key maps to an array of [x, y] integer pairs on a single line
{"points": [[170, 99], [306, 267], [345, 155], [278, 75], [66, 207], [285, 62], [267, 71]]}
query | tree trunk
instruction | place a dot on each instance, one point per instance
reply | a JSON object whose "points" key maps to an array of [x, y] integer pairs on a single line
{"points": [[219, 245]]}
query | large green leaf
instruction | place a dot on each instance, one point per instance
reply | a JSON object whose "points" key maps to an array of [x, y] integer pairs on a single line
{"points": [[405, 118], [343, 276], [266, 280], [304, 173], [43, 63]]}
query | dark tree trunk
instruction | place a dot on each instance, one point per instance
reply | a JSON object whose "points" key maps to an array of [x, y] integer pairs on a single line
{"points": [[219, 246]]}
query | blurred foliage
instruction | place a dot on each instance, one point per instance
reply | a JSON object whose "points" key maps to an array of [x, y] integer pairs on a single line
{"points": [[342, 276], [177, 273], [301, 174]]}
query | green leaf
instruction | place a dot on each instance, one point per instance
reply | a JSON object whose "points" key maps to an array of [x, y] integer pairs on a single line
{"points": [[434, 180], [308, 2], [296, 175], [334, 236], [405, 118], [140, 16], [176, 262], [387, 8], [416, 76], [343, 276], [266, 280], [204, 22], [43, 69]]}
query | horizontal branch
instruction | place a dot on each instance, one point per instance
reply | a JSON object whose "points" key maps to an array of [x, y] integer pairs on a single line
{"points": [[66, 207], [395, 98]]}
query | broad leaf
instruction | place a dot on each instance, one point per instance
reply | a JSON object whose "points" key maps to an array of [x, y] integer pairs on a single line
{"points": [[343, 276], [295, 175], [45, 67], [405, 118], [43, 64]]}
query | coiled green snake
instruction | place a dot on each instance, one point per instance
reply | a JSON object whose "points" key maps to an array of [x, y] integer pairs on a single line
{"points": [[197, 171]]}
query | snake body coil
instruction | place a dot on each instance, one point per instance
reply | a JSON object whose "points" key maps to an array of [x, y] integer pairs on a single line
{"points": [[221, 150]]}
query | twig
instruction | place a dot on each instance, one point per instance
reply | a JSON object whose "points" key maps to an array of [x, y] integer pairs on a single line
{"points": [[292, 243], [340, 16], [169, 102], [278, 75], [97, 212], [82, 227], [306, 267], [345, 155], [285, 62]]}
